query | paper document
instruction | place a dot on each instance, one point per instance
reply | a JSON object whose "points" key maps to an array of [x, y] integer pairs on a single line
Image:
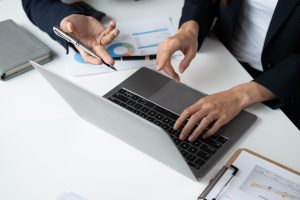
{"points": [[139, 37], [258, 179]]}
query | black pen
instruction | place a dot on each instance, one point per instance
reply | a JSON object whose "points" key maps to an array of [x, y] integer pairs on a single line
{"points": [[77, 43], [145, 57]]}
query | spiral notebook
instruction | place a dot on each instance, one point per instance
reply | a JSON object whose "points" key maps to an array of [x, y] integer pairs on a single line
{"points": [[250, 176]]}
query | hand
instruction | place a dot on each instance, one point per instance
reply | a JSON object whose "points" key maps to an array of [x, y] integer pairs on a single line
{"points": [[91, 33], [211, 111], [214, 111], [185, 40]]}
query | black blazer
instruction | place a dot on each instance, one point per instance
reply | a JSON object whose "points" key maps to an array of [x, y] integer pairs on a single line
{"points": [[281, 53], [48, 13]]}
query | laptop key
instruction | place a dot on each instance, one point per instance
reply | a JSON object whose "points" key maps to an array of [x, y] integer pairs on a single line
{"points": [[143, 115], [172, 131], [222, 139], [212, 143], [150, 119], [137, 106], [128, 94], [208, 149], [129, 108], [120, 97], [158, 123], [184, 145], [177, 141], [166, 120], [142, 101], [114, 100], [199, 162], [159, 116], [123, 105], [193, 165], [214, 137], [152, 113], [192, 150], [122, 91], [203, 155], [165, 127], [137, 112], [165, 112], [149, 104], [172, 123], [191, 157], [184, 153], [135, 97], [196, 143], [145, 109], [131, 103]]}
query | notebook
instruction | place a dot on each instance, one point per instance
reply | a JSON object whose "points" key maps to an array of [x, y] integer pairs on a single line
{"points": [[17, 47]]}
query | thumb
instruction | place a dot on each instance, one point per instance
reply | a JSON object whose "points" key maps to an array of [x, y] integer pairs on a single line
{"points": [[70, 27]]}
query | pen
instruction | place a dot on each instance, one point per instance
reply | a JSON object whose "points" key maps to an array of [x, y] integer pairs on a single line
{"points": [[145, 57], [77, 43]]}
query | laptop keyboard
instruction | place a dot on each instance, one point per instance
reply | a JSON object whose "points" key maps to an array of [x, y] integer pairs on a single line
{"points": [[196, 153]]}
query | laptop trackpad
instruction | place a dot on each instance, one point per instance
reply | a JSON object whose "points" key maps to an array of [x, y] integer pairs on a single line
{"points": [[176, 96]]}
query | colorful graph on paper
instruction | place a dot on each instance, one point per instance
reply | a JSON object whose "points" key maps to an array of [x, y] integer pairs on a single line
{"points": [[263, 184]]}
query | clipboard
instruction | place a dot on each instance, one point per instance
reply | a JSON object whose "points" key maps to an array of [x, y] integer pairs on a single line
{"points": [[229, 172]]}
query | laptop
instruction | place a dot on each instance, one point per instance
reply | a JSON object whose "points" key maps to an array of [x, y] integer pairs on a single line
{"points": [[141, 111]]}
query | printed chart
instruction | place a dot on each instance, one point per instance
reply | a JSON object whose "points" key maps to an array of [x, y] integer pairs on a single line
{"points": [[263, 184], [139, 37]]}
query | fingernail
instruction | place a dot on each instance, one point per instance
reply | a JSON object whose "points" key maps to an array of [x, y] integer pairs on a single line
{"points": [[181, 137], [175, 127], [191, 138]]}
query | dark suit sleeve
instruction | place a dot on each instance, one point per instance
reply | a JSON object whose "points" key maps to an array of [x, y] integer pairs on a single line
{"points": [[48, 13], [283, 80], [201, 11]]}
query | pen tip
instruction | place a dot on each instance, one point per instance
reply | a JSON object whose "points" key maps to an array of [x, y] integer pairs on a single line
{"points": [[113, 68]]}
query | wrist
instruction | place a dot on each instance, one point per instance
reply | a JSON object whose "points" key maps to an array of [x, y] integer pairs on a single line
{"points": [[250, 93], [190, 28]]}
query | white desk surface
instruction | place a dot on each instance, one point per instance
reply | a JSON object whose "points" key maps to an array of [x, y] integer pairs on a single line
{"points": [[45, 148]]}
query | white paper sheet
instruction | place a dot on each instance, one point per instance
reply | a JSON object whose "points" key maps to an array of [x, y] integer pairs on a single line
{"points": [[258, 179], [140, 37]]}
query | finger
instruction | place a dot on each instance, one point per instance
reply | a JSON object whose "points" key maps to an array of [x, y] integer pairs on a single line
{"points": [[205, 122], [171, 72], [186, 61], [163, 57], [107, 39], [165, 51], [102, 53], [195, 118], [67, 26], [111, 26], [216, 126], [70, 27], [106, 31], [185, 115], [89, 59]]}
